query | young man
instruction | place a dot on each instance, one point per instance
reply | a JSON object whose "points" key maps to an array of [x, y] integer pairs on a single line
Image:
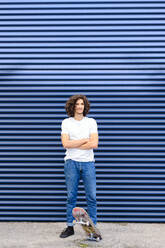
{"points": [[79, 137]]}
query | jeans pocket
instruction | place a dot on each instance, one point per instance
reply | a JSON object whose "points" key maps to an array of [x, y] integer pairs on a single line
{"points": [[66, 165]]}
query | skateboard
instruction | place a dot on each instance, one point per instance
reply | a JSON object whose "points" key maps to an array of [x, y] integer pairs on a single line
{"points": [[87, 224]]}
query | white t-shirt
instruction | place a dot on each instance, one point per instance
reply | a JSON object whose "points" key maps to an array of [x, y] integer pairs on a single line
{"points": [[79, 130]]}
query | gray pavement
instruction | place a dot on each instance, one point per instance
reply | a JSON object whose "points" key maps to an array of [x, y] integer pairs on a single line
{"points": [[46, 235]]}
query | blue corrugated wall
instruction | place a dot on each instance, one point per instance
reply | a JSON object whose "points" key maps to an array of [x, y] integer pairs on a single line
{"points": [[114, 53]]}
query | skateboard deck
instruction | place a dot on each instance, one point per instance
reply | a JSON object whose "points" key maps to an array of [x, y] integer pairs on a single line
{"points": [[87, 224]]}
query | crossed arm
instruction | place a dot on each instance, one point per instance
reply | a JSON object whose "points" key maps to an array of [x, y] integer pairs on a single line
{"points": [[83, 144]]}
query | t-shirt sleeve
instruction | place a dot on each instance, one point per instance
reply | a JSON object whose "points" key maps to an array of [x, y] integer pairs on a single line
{"points": [[93, 126], [64, 127]]}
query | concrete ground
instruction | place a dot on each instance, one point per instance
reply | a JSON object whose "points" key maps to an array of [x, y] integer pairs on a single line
{"points": [[46, 235]]}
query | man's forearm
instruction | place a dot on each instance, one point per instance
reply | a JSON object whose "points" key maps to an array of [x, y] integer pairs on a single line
{"points": [[88, 145], [75, 143]]}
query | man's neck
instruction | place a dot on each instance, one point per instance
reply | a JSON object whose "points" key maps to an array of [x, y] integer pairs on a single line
{"points": [[78, 117]]}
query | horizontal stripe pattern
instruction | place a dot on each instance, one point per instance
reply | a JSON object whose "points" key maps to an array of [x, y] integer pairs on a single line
{"points": [[114, 53]]}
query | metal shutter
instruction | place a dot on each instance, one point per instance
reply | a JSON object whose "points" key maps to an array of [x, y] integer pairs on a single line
{"points": [[114, 53]]}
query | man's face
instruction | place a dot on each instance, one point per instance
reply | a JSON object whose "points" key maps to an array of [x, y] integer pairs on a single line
{"points": [[79, 106]]}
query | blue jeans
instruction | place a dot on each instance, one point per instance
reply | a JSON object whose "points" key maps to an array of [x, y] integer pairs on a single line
{"points": [[74, 171]]}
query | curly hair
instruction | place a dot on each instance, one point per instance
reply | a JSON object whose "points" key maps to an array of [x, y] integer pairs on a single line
{"points": [[70, 105]]}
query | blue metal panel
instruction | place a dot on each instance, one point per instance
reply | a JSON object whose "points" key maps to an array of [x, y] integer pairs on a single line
{"points": [[111, 51]]}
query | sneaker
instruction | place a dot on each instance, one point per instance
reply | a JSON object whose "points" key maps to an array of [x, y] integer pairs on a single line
{"points": [[67, 232]]}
